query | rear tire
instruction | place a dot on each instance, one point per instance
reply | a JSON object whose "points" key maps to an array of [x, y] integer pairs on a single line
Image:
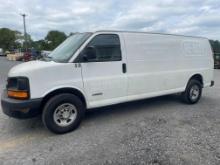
{"points": [[193, 92], [63, 113]]}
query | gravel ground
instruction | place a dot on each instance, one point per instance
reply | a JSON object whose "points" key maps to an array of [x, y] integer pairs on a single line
{"points": [[156, 131]]}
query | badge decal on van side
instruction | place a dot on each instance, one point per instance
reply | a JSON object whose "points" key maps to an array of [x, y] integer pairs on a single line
{"points": [[97, 94]]}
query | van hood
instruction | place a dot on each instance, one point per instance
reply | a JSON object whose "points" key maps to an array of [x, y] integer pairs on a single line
{"points": [[29, 67]]}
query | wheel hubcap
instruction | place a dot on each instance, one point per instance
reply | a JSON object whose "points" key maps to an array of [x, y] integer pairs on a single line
{"points": [[194, 92], [65, 114]]}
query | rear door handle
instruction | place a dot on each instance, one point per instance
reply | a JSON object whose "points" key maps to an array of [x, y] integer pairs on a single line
{"points": [[124, 68]]}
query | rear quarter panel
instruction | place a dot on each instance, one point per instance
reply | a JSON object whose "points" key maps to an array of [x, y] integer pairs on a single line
{"points": [[165, 62]]}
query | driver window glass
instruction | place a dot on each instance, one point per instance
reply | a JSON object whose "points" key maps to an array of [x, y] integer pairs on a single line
{"points": [[107, 47]]}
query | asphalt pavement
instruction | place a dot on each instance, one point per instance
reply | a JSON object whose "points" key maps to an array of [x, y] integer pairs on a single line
{"points": [[158, 131]]}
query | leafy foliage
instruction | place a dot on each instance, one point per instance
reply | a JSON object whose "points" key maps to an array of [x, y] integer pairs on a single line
{"points": [[53, 39], [215, 46], [10, 39], [7, 39]]}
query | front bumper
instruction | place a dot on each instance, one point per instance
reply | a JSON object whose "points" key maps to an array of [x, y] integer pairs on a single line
{"points": [[20, 108]]}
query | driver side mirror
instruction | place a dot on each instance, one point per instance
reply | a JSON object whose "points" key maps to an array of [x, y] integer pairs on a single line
{"points": [[89, 54]]}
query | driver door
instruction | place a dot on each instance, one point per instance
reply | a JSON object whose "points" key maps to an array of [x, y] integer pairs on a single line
{"points": [[104, 77]]}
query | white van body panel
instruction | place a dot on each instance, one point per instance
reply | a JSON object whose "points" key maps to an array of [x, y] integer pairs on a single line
{"points": [[45, 77], [157, 64]]}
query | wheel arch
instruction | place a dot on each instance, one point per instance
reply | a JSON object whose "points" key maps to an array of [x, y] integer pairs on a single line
{"points": [[70, 90], [198, 77]]}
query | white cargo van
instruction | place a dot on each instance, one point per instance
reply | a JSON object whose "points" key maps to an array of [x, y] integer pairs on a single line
{"points": [[97, 69]]}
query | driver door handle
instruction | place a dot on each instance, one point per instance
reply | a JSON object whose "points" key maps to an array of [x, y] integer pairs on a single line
{"points": [[124, 68]]}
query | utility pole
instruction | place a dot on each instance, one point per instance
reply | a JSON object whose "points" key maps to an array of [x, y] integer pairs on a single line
{"points": [[25, 33]]}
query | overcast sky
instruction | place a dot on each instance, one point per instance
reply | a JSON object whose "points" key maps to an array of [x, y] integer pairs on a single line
{"points": [[190, 17]]}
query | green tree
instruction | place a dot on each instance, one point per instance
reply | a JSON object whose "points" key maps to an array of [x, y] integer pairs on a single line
{"points": [[20, 37], [10, 39], [215, 46], [53, 39], [39, 45], [7, 39]]}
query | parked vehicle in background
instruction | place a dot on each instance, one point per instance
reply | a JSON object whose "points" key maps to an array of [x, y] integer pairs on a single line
{"points": [[217, 60], [1, 52], [45, 52], [7, 52], [90, 70], [31, 54], [27, 56]]}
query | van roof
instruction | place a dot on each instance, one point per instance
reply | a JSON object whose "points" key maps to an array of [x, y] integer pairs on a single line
{"points": [[118, 31]]}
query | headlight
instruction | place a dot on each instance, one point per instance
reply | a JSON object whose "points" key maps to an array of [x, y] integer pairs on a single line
{"points": [[18, 87]]}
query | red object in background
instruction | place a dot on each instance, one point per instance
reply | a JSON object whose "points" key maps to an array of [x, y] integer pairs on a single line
{"points": [[27, 56]]}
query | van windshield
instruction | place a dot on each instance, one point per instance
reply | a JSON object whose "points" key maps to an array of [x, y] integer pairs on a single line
{"points": [[66, 49]]}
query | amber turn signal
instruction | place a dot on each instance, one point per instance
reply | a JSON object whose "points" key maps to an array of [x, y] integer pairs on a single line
{"points": [[18, 94]]}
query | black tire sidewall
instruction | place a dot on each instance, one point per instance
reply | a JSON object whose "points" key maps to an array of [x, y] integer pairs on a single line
{"points": [[53, 103], [187, 92]]}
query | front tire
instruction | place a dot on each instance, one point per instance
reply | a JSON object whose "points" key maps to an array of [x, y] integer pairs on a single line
{"points": [[193, 92], [63, 113]]}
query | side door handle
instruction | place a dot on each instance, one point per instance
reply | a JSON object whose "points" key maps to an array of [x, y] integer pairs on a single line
{"points": [[124, 68]]}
